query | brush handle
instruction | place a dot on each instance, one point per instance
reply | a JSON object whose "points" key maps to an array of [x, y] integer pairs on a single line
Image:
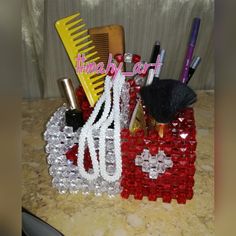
{"points": [[191, 46], [161, 130]]}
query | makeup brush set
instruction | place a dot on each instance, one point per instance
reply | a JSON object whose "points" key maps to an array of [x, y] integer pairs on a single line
{"points": [[122, 133]]}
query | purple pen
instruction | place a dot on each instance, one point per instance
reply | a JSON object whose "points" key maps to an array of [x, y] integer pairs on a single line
{"points": [[191, 46]]}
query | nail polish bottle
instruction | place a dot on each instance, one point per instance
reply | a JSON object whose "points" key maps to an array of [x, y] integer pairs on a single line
{"points": [[73, 116]]}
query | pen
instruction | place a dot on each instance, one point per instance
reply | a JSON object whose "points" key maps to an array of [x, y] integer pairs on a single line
{"points": [[162, 57], [195, 63], [190, 49], [154, 55], [150, 77], [155, 52]]}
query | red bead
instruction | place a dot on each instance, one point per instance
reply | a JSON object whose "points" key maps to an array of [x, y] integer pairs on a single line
{"points": [[131, 82], [145, 190], [111, 73], [153, 135], [119, 58], [191, 170], [132, 102], [166, 198], [139, 148], [190, 180], [86, 115], [71, 153], [125, 193], [153, 149], [181, 199], [139, 133], [125, 147], [133, 95], [132, 106], [167, 187], [136, 58], [138, 195], [85, 105], [137, 89], [152, 197], [87, 160], [80, 92], [182, 187], [144, 74], [189, 194]]}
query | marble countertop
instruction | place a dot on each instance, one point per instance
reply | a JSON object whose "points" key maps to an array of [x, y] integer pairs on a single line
{"points": [[79, 215]]}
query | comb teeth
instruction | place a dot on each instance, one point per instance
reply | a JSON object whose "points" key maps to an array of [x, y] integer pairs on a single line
{"points": [[75, 24], [78, 36], [76, 29], [79, 40], [70, 19], [74, 35], [101, 42]]}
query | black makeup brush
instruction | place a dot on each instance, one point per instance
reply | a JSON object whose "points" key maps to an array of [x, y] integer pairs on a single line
{"points": [[164, 98]]}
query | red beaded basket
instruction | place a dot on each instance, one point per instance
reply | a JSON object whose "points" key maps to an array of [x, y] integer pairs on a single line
{"points": [[179, 143]]}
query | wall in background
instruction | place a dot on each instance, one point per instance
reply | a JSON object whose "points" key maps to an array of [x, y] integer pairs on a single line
{"points": [[144, 21]]}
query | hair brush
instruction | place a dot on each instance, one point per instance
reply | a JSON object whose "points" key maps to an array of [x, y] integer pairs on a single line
{"points": [[164, 98]]}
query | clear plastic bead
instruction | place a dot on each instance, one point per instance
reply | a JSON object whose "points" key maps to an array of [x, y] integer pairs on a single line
{"points": [[128, 57], [153, 173], [110, 157], [68, 131], [85, 189], [138, 161], [145, 166]]}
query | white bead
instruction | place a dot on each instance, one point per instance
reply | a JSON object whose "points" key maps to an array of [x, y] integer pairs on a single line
{"points": [[87, 132]]}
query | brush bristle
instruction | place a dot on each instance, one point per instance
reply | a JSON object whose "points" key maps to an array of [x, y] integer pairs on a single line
{"points": [[165, 98]]}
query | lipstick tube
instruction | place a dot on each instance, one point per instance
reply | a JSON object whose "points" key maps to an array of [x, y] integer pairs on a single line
{"points": [[73, 116]]}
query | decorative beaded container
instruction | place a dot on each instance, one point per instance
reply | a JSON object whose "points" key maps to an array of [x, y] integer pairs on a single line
{"points": [[166, 174], [62, 148], [152, 166]]}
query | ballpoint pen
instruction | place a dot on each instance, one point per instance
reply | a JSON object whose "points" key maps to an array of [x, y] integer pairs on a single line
{"points": [[150, 77], [195, 63], [162, 57], [155, 52]]}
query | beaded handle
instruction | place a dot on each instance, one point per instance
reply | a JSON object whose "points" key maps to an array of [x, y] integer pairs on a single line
{"points": [[114, 115], [86, 133], [103, 123]]}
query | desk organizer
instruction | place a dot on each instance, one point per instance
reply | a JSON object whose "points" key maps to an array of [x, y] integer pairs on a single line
{"points": [[152, 166]]}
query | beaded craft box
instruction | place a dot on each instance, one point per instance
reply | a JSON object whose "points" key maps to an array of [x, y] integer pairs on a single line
{"points": [[152, 166], [142, 161]]}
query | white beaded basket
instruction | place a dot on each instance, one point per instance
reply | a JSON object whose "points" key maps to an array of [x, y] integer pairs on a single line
{"points": [[60, 138]]}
